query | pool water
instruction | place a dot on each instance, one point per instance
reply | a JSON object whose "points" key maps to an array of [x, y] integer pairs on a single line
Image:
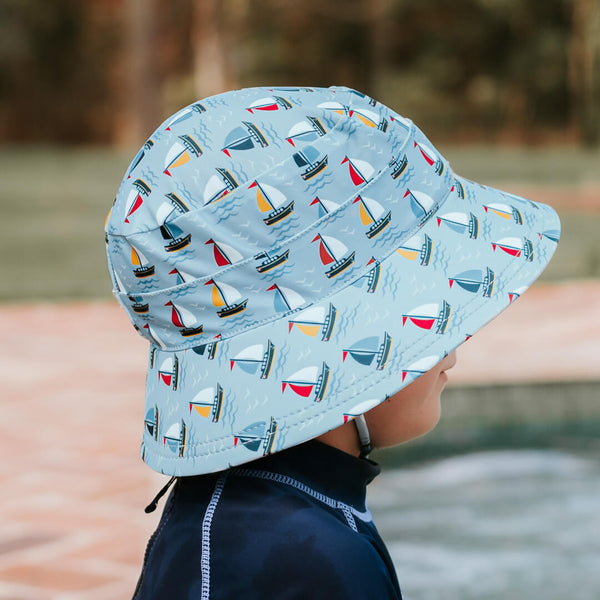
{"points": [[518, 524]]}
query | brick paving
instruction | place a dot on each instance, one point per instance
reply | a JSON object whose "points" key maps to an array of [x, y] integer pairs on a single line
{"points": [[74, 488]]}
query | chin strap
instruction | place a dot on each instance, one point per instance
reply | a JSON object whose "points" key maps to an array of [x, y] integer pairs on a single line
{"points": [[363, 436]]}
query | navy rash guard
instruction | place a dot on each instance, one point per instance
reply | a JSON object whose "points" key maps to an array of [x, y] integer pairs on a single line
{"points": [[292, 525]]}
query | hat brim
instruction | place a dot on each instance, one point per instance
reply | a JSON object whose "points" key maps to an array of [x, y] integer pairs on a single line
{"points": [[232, 401]]}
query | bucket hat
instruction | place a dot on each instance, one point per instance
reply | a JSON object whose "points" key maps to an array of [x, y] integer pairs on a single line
{"points": [[294, 256]]}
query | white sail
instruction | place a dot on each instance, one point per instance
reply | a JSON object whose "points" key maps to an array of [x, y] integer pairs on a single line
{"points": [[188, 318], [205, 396], [425, 200], [455, 217], [174, 431], [335, 247], [300, 128], [374, 207], [213, 189], [229, 293], [363, 167], [176, 150], [306, 375], [163, 212], [425, 310], [293, 298], [274, 196], [424, 364], [314, 314], [254, 352], [231, 253]]}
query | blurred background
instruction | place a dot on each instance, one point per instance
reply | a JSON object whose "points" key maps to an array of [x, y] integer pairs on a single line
{"points": [[501, 500]]}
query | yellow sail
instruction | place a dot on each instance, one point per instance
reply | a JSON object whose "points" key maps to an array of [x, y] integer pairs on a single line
{"points": [[183, 158], [410, 254], [365, 218], [500, 213], [203, 410], [263, 205], [135, 259], [216, 297], [311, 330], [365, 120]]}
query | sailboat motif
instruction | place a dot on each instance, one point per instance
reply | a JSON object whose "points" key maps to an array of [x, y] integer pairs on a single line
{"points": [[325, 206], [185, 320], [185, 114], [258, 436], [175, 438], [512, 296], [418, 246], [373, 275], [475, 279], [209, 350], [360, 409], [368, 349], [271, 201], [306, 131], [551, 234], [180, 276], [223, 253], [219, 186], [244, 137], [208, 402], [135, 198], [421, 204], [461, 223], [337, 108], [138, 157], [227, 299], [373, 215], [181, 152], [420, 366], [314, 321], [285, 299], [152, 422], [311, 161], [360, 170], [398, 166], [269, 104], [155, 338], [431, 157], [371, 119], [427, 316], [168, 372], [255, 359], [459, 189], [504, 211], [138, 305], [170, 231], [309, 381], [333, 252], [141, 265], [514, 246], [270, 261]]}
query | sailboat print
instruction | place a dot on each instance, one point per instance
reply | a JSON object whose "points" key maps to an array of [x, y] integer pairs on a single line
{"points": [[135, 199], [325, 206], [286, 299], [269, 104], [360, 409], [314, 321], [154, 336], [270, 260], [255, 359], [370, 119], [311, 161], [337, 108], [475, 279], [514, 246], [223, 253], [306, 131], [227, 299], [360, 170], [431, 157], [373, 276], [208, 402], [420, 366], [459, 188], [461, 223], [169, 210], [368, 349], [417, 247], [551, 234], [184, 320], [258, 436], [138, 305], [421, 204], [180, 153], [244, 138], [185, 114], [142, 267], [427, 316], [333, 252], [175, 438], [309, 381], [152, 422], [209, 349], [372, 215], [219, 186], [168, 372], [138, 157], [271, 201], [505, 211], [398, 166], [180, 276]]}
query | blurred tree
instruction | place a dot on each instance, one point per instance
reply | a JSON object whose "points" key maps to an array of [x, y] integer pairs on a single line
{"points": [[585, 68]]}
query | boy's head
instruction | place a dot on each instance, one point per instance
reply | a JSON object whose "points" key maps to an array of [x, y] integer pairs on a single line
{"points": [[296, 256]]}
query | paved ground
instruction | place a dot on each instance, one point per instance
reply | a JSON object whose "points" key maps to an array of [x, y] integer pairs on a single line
{"points": [[72, 375]]}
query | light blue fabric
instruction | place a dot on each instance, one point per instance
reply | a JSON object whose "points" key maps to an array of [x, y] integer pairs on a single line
{"points": [[294, 256]]}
